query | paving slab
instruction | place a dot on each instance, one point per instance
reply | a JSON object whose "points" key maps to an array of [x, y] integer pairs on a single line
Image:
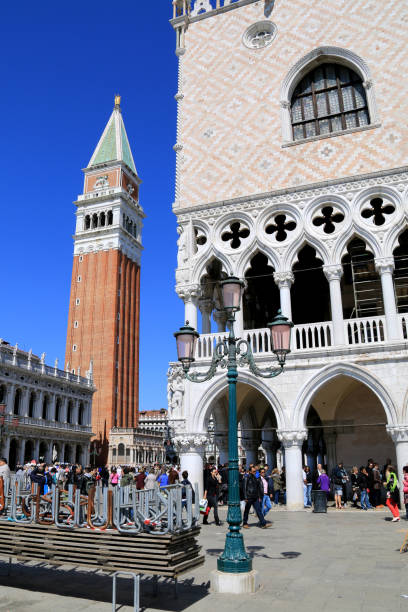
{"points": [[344, 561]]}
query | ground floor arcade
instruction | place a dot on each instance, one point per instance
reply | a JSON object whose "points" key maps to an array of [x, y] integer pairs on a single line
{"points": [[341, 412]]}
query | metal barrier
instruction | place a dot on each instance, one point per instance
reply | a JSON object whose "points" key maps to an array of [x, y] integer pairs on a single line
{"points": [[125, 509]]}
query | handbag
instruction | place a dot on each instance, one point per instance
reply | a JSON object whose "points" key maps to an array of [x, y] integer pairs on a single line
{"points": [[204, 506]]}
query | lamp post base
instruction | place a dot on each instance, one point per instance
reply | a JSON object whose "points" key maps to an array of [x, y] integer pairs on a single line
{"points": [[235, 584]]}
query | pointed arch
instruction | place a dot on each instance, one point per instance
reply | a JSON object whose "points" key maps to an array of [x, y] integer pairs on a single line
{"points": [[291, 256], [353, 232], [244, 262], [203, 261], [317, 381], [219, 386]]}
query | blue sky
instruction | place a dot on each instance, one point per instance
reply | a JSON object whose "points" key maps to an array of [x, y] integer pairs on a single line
{"points": [[61, 64]]}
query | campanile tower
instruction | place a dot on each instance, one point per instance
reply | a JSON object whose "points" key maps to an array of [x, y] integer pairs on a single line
{"points": [[103, 322]]}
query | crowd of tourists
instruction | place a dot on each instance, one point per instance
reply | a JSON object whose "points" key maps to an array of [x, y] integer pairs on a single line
{"points": [[260, 488]]}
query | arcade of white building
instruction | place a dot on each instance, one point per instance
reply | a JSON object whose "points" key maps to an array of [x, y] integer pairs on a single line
{"points": [[45, 412], [332, 254]]}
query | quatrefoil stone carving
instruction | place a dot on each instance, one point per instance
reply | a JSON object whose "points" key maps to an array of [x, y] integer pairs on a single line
{"points": [[377, 210], [328, 219], [280, 227], [236, 233]]}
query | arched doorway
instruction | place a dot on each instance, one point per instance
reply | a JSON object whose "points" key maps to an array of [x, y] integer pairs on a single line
{"points": [[13, 453], [257, 425], [353, 423], [43, 449], [29, 451], [67, 453]]}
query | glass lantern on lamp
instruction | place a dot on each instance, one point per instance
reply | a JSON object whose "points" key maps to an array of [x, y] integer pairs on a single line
{"points": [[281, 330]]}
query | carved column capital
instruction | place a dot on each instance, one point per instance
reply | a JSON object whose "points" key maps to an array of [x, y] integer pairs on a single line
{"points": [[189, 293], [333, 272], [292, 437], [384, 265], [191, 444], [398, 433], [284, 279]]}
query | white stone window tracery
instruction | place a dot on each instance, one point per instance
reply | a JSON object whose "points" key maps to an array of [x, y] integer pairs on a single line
{"points": [[235, 233], [377, 211], [280, 227], [328, 219], [259, 35]]}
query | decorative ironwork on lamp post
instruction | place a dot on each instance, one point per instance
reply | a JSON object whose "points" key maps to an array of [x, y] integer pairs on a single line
{"points": [[229, 353]]}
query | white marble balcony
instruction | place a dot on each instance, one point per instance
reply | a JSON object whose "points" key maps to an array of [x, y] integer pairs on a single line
{"points": [[312, 336]]}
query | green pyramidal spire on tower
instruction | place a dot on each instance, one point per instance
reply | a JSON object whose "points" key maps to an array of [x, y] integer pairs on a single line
{"points": [[114, 144]]}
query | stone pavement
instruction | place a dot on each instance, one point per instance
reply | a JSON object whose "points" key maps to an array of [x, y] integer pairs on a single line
{"points": [[340, 561]]}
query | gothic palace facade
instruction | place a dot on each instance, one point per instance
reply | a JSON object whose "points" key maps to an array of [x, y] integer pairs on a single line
{"points": [[291, 173]]}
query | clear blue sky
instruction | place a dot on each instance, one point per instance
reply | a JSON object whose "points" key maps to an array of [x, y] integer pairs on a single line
{"points": [[61, 64]]}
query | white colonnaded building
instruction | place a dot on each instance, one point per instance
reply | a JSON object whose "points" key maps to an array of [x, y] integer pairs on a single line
{"points": [[45, 412], [291, 174]]}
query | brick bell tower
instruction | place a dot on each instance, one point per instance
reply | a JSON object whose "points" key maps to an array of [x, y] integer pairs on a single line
{"points": [[103, 322]]}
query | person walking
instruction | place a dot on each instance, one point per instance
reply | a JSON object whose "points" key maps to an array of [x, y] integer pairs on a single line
{"points": [[339, 478], [211, 495], [354, 486], [376, 491], [186, 483], [150, 481], [391, 484], [363, 485], [405, 489], [277, 485], [253, 493], [114, 477], [266, 501]]}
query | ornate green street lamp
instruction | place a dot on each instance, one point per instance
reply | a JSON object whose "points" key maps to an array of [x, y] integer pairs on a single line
{"points": [[227, 353]]}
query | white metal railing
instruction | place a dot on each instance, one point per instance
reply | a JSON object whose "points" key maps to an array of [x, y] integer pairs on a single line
{"points": [[309, 336], [404, 325], [365, 331]]}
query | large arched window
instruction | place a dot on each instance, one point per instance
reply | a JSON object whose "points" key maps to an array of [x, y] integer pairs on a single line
{"points": [[330, 98]]}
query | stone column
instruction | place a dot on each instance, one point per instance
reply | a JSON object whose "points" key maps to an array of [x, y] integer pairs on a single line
{"points": [[270, 449], [206, 307], [385, 268], [11, 390], [5, 448], [284, 280], [191, 452], [220, 318], [51, 408], [190, 296], [38, 404], [330, 438], [36, 449], [399, 434], [292, 441], [21, 450], [222, 445], [75, 412], [333, 275], [64, 410], [239, 320], [25, 399], [251, 450]]}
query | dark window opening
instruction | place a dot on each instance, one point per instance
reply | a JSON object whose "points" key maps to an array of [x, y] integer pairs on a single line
{"points": [[310, 291], [261, 300], [330, 98]]}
